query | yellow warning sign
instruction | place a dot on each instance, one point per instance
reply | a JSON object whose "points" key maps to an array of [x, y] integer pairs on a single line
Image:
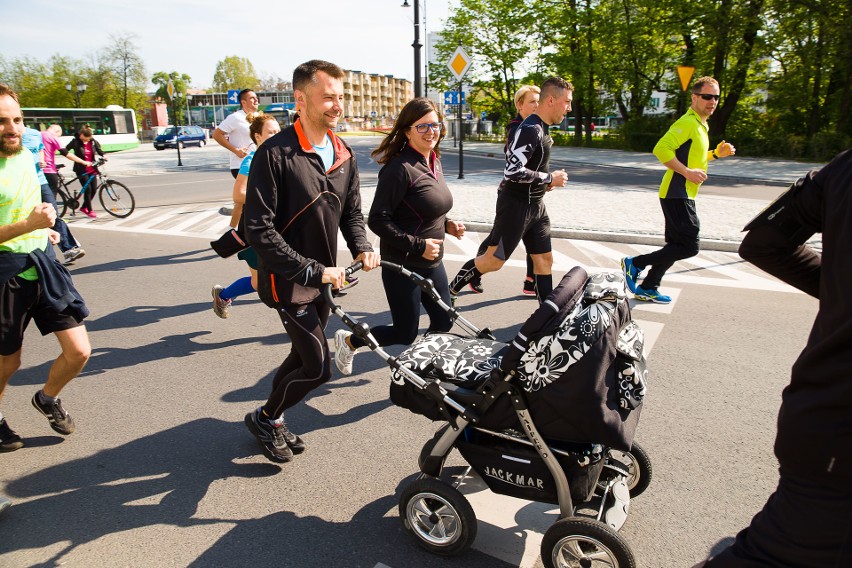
{"points": [[459, 63], [685, 73]]}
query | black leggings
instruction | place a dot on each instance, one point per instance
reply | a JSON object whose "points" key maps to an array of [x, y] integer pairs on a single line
{"points": [[90, 190], [308, 365], [682, 227], [405, 299]]}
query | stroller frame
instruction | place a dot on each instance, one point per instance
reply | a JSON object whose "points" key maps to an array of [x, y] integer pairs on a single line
{"points": [[469, 405]]}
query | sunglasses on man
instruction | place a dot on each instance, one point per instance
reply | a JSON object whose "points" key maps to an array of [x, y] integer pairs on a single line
{"points": [[707, 96]]}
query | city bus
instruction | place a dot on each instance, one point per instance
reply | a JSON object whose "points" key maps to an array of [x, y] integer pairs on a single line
{"points": [[114, 127], [282, 113]]}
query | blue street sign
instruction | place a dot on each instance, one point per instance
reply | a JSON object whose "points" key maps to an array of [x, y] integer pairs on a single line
{"points": [[452, 97], [233, 96], [483, 115]]}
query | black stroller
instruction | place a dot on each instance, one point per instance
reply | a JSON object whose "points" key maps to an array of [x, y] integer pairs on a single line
{"points": [[549, 417]]}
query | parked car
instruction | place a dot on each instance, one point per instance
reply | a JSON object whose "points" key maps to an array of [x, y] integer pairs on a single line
{"points": [[187, 136]]}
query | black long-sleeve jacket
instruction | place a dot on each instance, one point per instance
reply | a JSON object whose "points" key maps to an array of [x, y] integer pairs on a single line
{"points": [[527, 172], [77, 146], [411, 204], [292, 213], [815, 421]]}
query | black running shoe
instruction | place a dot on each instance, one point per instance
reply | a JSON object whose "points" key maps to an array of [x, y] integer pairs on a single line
{"points": [[476, 286], [296, 444], [59, 420], [9, 439], [271, 439], [529, 287]]}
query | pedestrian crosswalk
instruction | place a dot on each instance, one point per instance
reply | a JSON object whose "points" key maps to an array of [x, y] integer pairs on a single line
{"points": [[709, 268]]}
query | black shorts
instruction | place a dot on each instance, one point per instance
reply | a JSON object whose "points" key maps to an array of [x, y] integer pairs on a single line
{"points": [[20, 302], [518, 220]]}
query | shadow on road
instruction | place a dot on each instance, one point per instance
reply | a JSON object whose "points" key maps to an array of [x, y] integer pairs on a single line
{"points": [[128, 263], [105, 359], [167, 474]]}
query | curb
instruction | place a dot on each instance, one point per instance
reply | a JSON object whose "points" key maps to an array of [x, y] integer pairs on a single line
{"points": [[719, 245], [734, 178]]}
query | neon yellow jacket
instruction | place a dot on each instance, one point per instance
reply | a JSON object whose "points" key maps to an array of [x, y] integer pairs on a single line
{"points": [[688, 141]]}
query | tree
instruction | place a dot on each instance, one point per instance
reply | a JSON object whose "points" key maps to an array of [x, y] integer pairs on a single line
{"points": [[180, 81], [495, 34], [272, 82], [235, 73], [126, 64]]}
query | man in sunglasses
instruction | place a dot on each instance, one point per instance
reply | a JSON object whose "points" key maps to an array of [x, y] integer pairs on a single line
{"points": [[685, 151]]}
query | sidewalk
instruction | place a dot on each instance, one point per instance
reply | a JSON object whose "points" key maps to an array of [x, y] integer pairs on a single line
{"points": [[578, 211]]}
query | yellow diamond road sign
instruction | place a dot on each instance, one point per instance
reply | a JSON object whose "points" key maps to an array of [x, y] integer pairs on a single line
{"points": [[459, 63]]}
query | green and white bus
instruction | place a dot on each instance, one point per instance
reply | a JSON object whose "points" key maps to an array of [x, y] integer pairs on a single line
{"points": [[114, 126]]}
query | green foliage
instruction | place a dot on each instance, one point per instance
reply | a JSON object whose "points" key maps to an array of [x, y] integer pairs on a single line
{"points": [[496, 34], [235, 73], [181, 82]]}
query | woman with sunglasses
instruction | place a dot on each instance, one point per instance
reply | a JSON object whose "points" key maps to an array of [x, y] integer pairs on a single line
{"points": [[409, 214]]}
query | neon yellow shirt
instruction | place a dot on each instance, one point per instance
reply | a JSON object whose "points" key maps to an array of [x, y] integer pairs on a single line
{"points": [[19, 193], [687, 140]]}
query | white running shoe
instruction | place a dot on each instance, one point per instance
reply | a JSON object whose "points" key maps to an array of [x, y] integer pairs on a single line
{"points": [[343, 354]]}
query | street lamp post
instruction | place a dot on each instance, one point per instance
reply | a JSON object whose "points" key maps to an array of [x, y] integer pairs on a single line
{"points": [[418, 84], [76, 92]]}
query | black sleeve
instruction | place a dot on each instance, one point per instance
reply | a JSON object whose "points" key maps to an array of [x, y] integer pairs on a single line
{"points": [[527, 140], [352, 219], [770, 247], [390, 193], [262, 193]]}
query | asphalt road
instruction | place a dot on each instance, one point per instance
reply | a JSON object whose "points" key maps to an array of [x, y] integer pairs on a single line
{"points": [[198, 187], [162, 472]]}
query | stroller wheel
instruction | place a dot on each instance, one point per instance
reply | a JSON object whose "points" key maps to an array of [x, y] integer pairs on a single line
{"points": [[439, 516], [582, 543], [638, 463]]}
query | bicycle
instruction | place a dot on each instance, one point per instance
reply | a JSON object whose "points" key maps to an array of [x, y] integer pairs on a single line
{"points": [[115, 197]]}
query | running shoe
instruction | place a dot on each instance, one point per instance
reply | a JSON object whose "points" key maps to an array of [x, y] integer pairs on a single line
{"points": [[631, 273], [475, 286], [343, 354], [296, 444], [226, 211], [88, 213], [221, 307], [652, 295], [271, 438], [529, 287], [59, 419], [9, 439], [73, 254]]}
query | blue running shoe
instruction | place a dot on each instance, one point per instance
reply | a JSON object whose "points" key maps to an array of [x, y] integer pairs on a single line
{"points": [[631, 273], [652, 295]]}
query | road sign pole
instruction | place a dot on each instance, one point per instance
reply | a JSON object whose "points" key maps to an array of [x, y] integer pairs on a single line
{"points": [[461, 133], [177, 132]]}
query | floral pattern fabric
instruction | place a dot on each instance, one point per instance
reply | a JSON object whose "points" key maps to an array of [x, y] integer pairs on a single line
{"points": [[469, 361]]}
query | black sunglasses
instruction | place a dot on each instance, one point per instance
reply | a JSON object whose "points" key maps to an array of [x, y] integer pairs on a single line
{"points": [[707, 97]]}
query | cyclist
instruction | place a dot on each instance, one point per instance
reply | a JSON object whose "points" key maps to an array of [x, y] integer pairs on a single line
{"points": [[69, 246], [85, 148]]}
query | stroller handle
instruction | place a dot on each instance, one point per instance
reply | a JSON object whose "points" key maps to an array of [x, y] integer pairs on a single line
{"points": [[425, 284]]}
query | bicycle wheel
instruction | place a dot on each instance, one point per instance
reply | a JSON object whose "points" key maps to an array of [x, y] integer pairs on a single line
{"points": [[62, 200], [116, 199]]}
